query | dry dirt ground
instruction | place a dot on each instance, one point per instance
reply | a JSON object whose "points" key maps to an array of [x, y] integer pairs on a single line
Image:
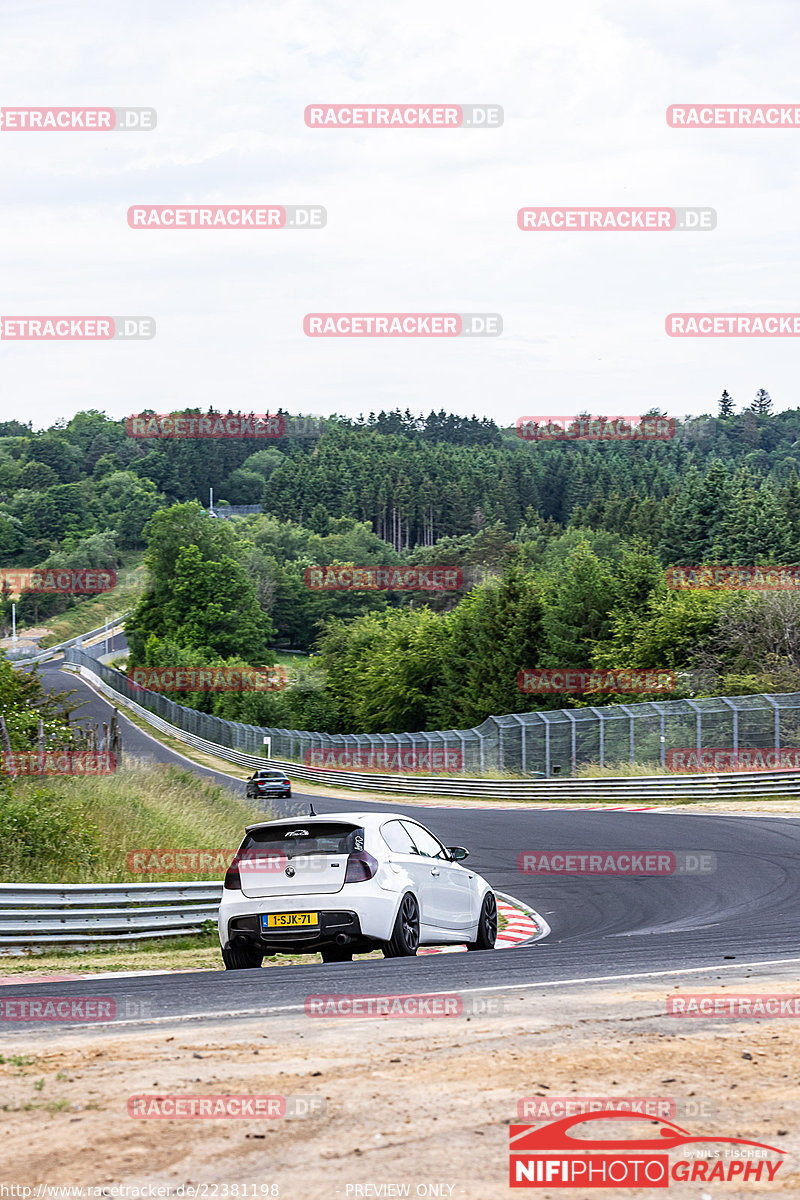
{"points": [[423, 1104]]}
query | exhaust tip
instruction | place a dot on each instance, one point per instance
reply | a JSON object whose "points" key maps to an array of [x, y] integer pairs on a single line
{"points": [[342, 939]]}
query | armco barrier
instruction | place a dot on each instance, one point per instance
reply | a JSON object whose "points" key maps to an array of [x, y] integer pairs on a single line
{"points": [[33, 915], [654, 788]]}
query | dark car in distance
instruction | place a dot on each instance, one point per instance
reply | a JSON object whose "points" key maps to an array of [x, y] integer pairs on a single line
{"points": [[268, 782]]}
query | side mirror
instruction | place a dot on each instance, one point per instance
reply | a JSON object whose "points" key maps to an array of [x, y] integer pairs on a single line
{"points": [[457, 853]]}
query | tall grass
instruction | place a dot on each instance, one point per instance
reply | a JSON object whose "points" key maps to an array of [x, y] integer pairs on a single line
{"points": [[622, 769], [64, 829]]}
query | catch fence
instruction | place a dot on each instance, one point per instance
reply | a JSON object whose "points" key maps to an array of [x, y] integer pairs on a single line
{"points": [[544, 744]]}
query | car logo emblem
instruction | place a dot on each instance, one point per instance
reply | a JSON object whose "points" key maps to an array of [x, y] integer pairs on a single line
{"points": [[289, 871]]}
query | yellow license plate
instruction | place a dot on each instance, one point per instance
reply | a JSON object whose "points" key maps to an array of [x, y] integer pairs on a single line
{"points": [[289, 920]]}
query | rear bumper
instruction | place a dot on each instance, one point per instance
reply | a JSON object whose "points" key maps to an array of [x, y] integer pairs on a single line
{"points": [[358, 910], [336, 927]]}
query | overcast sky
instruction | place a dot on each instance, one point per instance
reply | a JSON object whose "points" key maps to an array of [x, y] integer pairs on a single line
{"points": [[417, 220]]}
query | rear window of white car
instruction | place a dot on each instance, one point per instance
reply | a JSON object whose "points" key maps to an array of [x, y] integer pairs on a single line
{"points": [[333, 837]]}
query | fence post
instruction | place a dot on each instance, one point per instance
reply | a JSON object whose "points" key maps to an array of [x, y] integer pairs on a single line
{"points": [[735, 712], [523, 755], [777, 720], [698, 723], [632, 754], [573, 739], [662, 728], [462, 737]]}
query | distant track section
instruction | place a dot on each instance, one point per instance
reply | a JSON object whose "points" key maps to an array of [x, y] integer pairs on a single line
{"points": [[24, 659], [649, 789]]}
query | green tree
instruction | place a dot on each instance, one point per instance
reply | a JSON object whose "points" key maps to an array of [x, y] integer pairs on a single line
{"points": [[726, 404], [762, 403], [199, 594], [493, 634], [578, 610]]}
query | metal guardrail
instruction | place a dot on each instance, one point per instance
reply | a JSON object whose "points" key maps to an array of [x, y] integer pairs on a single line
{"points": [[33, 915], [52, 651], [727, 786]]}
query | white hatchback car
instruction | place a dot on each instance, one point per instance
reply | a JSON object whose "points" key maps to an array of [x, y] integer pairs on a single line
{"points": [[347, 883]]}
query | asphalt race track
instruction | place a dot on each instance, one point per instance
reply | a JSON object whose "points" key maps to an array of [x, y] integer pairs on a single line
{"points": [[746, 912]]}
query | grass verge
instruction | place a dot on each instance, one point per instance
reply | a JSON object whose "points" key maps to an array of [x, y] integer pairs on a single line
{"points": [[68, 829], [198, 953]]}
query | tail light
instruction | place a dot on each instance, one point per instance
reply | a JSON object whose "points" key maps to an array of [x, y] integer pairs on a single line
{"points": [[286, 783], [233, 880], [360, 867]]}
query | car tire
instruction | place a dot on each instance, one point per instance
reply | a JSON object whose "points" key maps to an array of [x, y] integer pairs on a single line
{"points": [[241, 958], [336, 954], [250, 794], [487, 925], [405, 936]]}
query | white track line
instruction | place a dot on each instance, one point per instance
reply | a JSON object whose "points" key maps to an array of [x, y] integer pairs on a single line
{"points": [[504, 987]]}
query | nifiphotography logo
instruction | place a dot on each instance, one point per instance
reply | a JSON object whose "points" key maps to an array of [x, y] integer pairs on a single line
{"points": [[572, 1153]]}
